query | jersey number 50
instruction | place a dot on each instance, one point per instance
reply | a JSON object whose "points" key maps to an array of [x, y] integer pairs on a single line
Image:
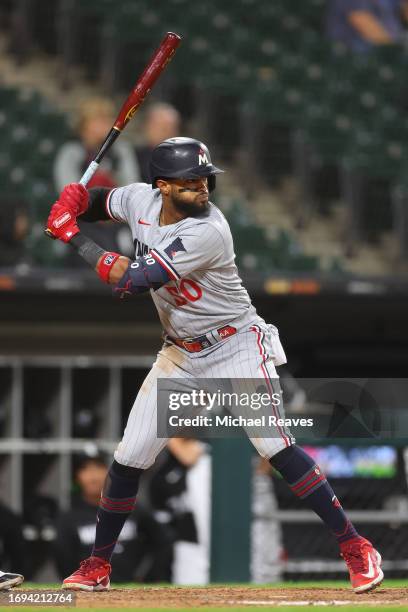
{"points": [[187, 291]]}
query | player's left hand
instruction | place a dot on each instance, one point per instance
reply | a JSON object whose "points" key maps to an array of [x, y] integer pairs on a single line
{"points": [[62, 223]]}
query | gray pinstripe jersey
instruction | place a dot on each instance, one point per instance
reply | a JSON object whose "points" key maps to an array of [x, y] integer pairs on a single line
{"points": [[205, 291]]}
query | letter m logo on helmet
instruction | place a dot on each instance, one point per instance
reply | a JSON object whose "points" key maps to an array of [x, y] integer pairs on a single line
{"points": [[202, 157]]}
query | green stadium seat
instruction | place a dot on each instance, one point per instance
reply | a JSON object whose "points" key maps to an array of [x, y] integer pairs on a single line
{"points": [[41, 197], [97, 8], [270, 14], [252, 262], [312, 13], [265, 51], [242, 12], [43, 159], [390, 124], [31, 133], [8, 97], [303, 263], [261, 251], [50, 253], [137, 27], [374, 155], [196, 53], [16, 181], [252, 236], [272, 100], [373, 163], [328, 133], [223, 74], [236, 212]]}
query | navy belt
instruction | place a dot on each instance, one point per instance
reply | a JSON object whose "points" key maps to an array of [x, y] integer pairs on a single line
{"points": [[195, 345]]}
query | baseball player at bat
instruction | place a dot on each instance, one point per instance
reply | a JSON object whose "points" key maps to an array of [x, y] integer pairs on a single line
{"points": [[184, 256]]}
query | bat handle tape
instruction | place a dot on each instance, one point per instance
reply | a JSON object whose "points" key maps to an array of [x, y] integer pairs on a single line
{"points": [[89, 172]]}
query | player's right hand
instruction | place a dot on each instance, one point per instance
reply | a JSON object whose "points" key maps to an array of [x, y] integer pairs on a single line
{"points": [[75, 198], [62, 223]]}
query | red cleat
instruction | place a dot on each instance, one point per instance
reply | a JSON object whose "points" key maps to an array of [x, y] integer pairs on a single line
{"points": [[92, 575], [363, 563]]}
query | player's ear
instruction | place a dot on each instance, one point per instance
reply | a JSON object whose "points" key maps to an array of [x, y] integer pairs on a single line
{"points": [[164, 186]]}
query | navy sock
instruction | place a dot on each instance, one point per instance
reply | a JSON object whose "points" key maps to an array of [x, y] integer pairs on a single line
{"points": [[309, 483], [117, 502]]}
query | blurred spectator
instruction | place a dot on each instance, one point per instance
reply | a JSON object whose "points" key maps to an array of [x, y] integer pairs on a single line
{"points": [[39, 515], [12, 549], [119, 166], [364, 24], [162, 121], [13, 231], [142, 549], [168, 493]]}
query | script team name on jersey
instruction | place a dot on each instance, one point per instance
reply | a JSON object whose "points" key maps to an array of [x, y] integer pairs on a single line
{"points": [[141, 248]]}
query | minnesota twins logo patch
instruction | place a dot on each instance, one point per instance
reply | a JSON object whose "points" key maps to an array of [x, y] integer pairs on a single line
{"points": [[175, 247]]}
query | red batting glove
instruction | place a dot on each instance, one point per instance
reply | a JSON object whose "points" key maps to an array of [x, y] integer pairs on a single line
{"points": [[62, 223], [75, 198]]}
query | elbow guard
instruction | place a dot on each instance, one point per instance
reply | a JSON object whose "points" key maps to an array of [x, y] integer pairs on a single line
{"points": [[143, 274]]}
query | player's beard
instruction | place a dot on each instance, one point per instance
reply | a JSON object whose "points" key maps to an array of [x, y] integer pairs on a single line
{"points": [[190, 209]]}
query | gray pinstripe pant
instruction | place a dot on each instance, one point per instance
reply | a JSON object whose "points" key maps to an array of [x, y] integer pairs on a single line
{"points": [[252, 353]]}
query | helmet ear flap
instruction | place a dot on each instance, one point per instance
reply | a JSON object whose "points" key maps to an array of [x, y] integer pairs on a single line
{"points": [[211, 181]]}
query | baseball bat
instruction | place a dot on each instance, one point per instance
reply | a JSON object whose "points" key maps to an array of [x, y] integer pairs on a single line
{"points": [[145, 82]]}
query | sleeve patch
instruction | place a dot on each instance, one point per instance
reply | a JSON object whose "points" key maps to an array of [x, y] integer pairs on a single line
{"points": [[175, 247]]}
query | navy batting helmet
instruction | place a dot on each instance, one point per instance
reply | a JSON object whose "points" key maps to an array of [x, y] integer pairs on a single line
{"points": [[182, 158]]}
